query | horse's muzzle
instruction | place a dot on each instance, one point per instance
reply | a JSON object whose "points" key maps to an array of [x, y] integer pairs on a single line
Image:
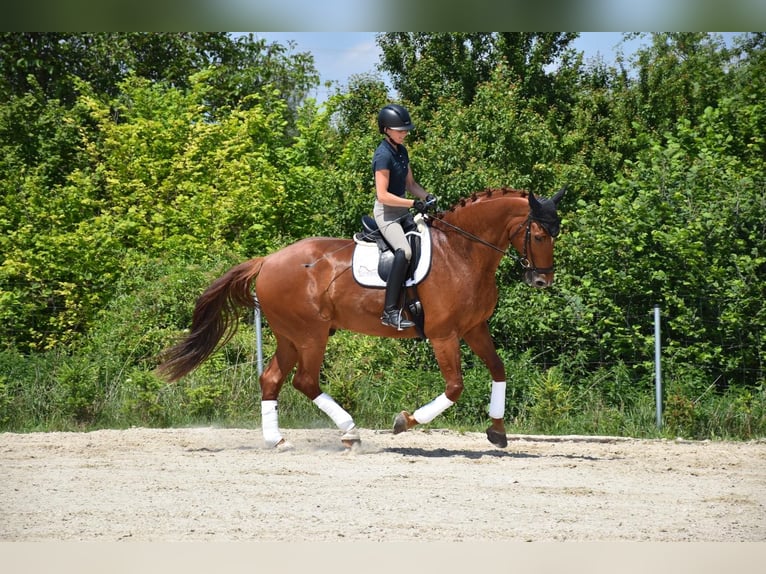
{"points": [[538, 280]]}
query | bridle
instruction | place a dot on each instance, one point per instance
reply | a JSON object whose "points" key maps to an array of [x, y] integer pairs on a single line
{"points": [[526, 262]]}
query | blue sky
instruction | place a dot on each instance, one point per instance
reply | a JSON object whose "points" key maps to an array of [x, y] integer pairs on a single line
{"points": [[338, 55]]}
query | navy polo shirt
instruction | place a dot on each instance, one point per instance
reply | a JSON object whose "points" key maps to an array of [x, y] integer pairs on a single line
{"points": [[397, 162]]}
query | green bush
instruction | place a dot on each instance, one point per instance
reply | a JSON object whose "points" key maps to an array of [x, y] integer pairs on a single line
{"points": [[551, 402], [142, 401]]}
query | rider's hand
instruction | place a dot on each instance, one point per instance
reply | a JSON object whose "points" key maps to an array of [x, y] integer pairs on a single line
{"points": [[423, 206]]}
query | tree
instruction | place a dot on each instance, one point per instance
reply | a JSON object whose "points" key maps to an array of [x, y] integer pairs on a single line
{"points": [[679, 75], [242, 65], [427, 66], [100, 164], [356, 109]]}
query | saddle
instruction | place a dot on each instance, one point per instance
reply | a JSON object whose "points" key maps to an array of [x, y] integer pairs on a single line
{"points": [[373, 256]]}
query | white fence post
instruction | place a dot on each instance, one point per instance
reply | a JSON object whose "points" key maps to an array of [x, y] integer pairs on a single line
{"points": [[657, 366]]}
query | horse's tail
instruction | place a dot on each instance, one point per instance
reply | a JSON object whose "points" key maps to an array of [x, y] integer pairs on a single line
{"points": [[214, 322]]}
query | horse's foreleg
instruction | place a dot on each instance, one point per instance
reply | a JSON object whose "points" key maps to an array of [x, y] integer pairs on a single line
{"points": [[271, 381], [447, 352], [481, 343]]}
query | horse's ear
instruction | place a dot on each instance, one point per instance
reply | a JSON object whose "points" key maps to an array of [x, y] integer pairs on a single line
{"points": [[533, 203], [559, 194]]}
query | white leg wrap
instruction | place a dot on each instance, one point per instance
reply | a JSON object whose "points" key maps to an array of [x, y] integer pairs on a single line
{"points": [[270, 423], [333, 410], [429, 412], [497, 400]]}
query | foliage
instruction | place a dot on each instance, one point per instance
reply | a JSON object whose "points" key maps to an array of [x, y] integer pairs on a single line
{"points": [[427, 67], [241, 65], [154, 177]]}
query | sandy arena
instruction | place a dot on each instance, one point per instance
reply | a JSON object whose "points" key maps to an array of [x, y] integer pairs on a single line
{"points": [[209, 484]]}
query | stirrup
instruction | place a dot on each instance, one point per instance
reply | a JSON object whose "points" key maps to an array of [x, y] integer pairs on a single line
{"points": [[394, 319]]}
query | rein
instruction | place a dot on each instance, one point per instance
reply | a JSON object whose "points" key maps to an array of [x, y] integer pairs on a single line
{"points": [[524, 261]]}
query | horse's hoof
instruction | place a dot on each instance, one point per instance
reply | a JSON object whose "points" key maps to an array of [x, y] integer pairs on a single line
{"points": [[273, 442], [499, 439], [283, 446], [351, 438], [400, 422]]}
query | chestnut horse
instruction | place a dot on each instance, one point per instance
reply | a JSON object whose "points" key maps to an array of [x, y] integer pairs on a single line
{"points": [[306, 291]]}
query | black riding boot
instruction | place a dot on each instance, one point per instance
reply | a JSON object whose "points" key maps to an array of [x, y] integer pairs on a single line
{"points": [[392, 314]]}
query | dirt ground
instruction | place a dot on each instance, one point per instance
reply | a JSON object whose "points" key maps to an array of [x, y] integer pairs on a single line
{"points": [[209, 484]]}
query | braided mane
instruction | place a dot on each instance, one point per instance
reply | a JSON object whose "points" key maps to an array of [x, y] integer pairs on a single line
{"points": [[486, 193]]}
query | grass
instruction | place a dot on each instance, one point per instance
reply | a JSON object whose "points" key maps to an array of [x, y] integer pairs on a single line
{"points": [[56, 391]]}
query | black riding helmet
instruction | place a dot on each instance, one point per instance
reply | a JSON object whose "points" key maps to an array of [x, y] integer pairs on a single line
{"points": [[395, 117]]}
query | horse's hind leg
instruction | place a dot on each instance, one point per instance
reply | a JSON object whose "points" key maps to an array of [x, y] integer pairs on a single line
{"points": [[279, 367], [480, 341], [306, 380]]}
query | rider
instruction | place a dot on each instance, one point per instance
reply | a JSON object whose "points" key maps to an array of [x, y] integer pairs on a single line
{"points": [[393, 177]]}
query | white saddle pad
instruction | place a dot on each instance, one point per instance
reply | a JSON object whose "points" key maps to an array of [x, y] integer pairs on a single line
{"points": [[365, 260]]}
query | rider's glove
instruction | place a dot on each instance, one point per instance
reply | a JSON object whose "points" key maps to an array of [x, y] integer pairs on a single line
{"points": [[423, 206]]}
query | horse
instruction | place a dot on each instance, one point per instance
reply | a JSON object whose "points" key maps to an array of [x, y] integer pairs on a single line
{"points": [[306, 292]]}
